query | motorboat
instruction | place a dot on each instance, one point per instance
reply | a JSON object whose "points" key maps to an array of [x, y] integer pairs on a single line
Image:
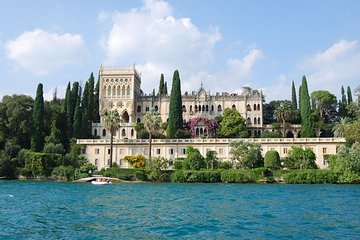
{"points": [[104, 182]]}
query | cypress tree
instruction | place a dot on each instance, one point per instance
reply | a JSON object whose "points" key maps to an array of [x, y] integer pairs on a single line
{"points": [[90, 103], [165, 89], [161, 85], [293, 96], [300, 98], [96, 116], [349, 95], [175, 112], [37, 138], [307, 124], [343, 96], [85, 112], [77, 118]]}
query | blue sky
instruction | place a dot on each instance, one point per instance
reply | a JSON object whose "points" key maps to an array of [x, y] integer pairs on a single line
{"points": [[223, 44]]}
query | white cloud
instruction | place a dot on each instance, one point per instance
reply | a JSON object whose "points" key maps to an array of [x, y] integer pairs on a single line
{"points": [[159, 43], [41, 52], [338, 65], [280, 90], [49, 95]]}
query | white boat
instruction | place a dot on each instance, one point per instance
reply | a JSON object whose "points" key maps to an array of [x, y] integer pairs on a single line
{"points": [[100, 183]]}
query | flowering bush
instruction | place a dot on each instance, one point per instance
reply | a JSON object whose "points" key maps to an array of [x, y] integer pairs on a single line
{"points": [[210, 124]]}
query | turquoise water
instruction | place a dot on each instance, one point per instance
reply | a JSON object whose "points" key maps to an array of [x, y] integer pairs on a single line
{"points": [[52, 210]]}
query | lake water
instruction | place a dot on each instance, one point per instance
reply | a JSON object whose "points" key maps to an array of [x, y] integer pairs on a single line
{"points": [[53, 210]]}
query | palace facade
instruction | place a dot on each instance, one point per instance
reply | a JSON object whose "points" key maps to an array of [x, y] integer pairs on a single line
{"points": [[120, 90]]}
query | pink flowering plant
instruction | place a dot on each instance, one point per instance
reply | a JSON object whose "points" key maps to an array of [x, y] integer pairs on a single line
{"points": [[210, 124]]}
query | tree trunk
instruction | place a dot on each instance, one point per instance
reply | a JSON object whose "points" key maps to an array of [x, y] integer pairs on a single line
{"points": [[284, 129], [150, 146], [111, 149]]}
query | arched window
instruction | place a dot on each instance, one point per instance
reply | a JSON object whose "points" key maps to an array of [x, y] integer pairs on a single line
{"points": [[197, 132], [255, 121], [128, 91], [95, 132], [195, 108], [254, 107], [203, 108], [248, 107], [212, 108], [248, 121], [96, 162], [147, 109], [123, 133], [138, 108], [219, 108], [104, 132], [207, 108], [259, 122], [190, 108], [118, 91], [132, 132], [109, 91], [156, 108], [125, 117], [201, 131], [138, 120], [184, 108], [114, 91], [123, 91], [233, 107], [258, 107], [199, 108]]}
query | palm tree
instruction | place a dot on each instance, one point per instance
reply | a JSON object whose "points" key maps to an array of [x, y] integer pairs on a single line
{"points": [[152, 123], [339, 128], [283, 114], [112, 124]]}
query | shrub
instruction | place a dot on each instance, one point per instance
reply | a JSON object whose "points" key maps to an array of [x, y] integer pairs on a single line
{"points": [[178, 176], [196, 176], [236, 176], [311, 176], [140, 175], [178, 165], [121, 173], [272, 160]]}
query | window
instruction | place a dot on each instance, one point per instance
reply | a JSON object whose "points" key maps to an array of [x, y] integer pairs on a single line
{"points": [[83, 151], [254, 107], [171, 151], [221, 151], [156, 108], [219, 108], [123, 133], [233, 107], [97, 151], [258, 107], [138, 120], [109, 151], [183, 151], [184, 108], [285, 150], [259, 122], [138, 108], [121, 151], [104, 133], [96, 162], [190, 108], [324, 150], [147, 109], [158, 151], [95, 132], [255, 120], [248, 107], [132, 132], [248, 121]]}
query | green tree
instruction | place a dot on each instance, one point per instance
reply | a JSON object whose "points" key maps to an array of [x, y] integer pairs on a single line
{"points": [[232, 124], [96, 116], [349, 95], [211, 159], [85, 131], [293, 96], [67, 110], [77, 118], [339, 128], [272, 160], [90, 104], [352, 132], [247, 155], [152, 122], [112, 124], [16, 119], [37, 138], [157, 169], [325, 103], [307, 124], [165, 89], [283, 114], [194, 160], [161, 85], [299, 158], [343, 96], [175, 122]]}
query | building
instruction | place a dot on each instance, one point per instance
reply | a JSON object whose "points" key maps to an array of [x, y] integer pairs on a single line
{"points": [[120, 90], [98, 150]]}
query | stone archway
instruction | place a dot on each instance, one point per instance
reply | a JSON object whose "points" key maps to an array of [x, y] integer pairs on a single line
{"points": [[125, 117]]}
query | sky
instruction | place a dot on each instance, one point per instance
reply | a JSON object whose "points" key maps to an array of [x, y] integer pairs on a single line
{"points": [[224, 45]]}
